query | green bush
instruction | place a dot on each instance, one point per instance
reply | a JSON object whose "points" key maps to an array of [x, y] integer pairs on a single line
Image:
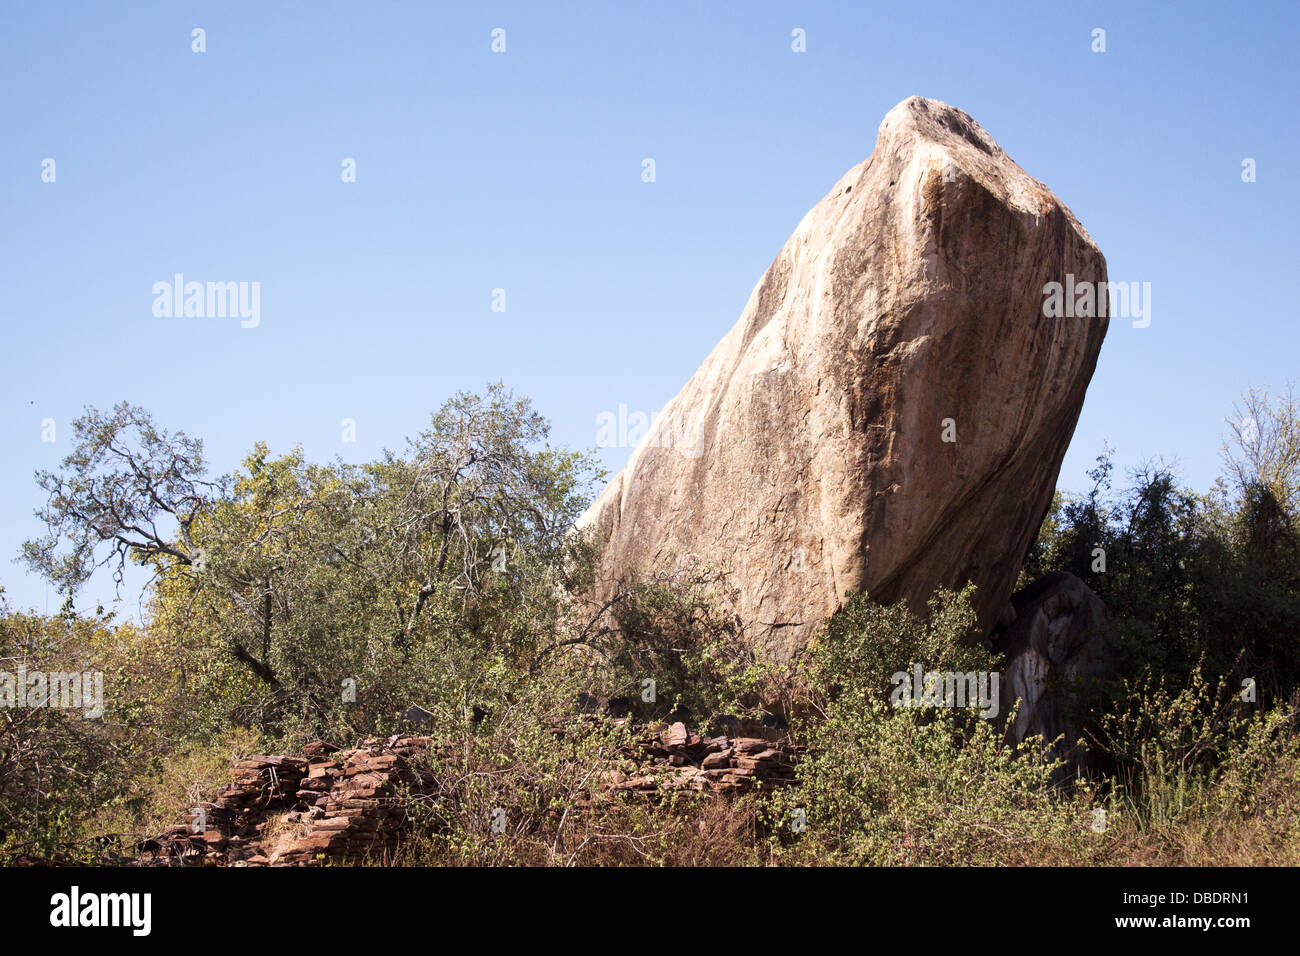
{"points": [[884, 785]]}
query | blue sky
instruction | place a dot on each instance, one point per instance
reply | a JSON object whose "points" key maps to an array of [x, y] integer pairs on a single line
{"points": [[522, 171]]}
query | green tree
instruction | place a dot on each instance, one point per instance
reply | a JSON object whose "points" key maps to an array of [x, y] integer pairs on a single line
{"points": [[300, 595]]}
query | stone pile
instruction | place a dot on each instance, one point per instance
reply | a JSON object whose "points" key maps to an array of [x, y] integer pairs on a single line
{"points": [[348, 806], [350, 811], [681, 759], [287, 811], [225, 829]]}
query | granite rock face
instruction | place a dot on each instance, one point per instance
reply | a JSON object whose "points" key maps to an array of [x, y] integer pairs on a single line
{"points": [[890, 412]]}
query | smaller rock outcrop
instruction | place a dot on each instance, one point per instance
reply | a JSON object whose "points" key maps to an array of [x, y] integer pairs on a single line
{"points": [[1058, 649]]}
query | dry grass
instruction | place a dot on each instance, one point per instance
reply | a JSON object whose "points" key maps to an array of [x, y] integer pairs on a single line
{"points": [[182, 781]]}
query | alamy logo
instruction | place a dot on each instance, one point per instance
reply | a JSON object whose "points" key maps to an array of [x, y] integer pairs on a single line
{"points": [[921, 688], [208, 300], [626, 429], [1086, 299], [63, 690], [73, 909]]}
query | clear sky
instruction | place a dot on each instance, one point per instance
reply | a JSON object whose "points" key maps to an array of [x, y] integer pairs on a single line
{"points": [[522, 171]]}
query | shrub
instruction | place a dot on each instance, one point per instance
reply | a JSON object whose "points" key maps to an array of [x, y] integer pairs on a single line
{"points": [[883, 785]]}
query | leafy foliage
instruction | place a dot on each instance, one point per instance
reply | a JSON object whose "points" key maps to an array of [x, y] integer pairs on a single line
{"points": [[1192, 581], [326, 598], [292, 599], [884, 785]]}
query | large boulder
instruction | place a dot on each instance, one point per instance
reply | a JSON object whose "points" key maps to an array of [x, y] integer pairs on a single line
{"points": [[811, 455]]}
